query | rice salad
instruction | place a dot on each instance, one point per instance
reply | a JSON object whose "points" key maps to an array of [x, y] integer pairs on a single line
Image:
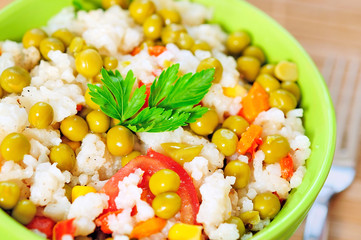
{"points": [[71, 169]]}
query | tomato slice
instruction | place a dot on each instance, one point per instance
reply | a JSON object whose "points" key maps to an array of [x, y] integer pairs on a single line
{"points": [[151, 164], [62, 228]]}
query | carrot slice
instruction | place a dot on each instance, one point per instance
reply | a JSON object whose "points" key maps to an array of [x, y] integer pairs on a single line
{"points": [[148, 227], [156, 50], [103, 223], [286, 167], [254, 103], [252, 133], [135, 51]]}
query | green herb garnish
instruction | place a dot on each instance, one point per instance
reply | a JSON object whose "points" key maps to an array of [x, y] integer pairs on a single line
{"points": [[172, 99], [87, 5]]}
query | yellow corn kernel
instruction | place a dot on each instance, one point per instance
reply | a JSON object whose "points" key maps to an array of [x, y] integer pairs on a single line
{"points": [[236, 91], [182, 231], [125, 63], [251, 217], [167, 63], [78, 191]]}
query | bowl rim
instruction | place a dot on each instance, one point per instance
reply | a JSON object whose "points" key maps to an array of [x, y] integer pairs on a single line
{"points": [[282, 224]]}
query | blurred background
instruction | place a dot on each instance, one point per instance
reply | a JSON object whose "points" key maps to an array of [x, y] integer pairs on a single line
{"points": [[330, 31]]}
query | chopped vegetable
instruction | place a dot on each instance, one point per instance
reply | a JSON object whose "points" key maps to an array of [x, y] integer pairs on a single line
{"points": [[62, 228], [102, 221], [255, 102], [182, 231], [78, 191], [150, 164], [135, 51], [86, 5], [248, 137], [156, 50], [42, 224], [287, 167], [148, 227], [172, 100]]}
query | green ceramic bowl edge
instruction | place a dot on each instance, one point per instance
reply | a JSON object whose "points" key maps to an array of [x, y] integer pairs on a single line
{"points": [[278, 44]]}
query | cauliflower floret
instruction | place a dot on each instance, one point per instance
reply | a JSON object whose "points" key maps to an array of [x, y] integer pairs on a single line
{"points": [[216, 204], [46, 137], [12, 119], [46, 181], [85, 209]]}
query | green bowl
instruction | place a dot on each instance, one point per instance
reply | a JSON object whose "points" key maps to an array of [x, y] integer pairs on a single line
{"points": [[319, 116]]}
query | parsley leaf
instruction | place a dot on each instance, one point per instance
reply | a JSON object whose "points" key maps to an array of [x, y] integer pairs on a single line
{"points": [[86, 5], [114, 97], [172, 99]]}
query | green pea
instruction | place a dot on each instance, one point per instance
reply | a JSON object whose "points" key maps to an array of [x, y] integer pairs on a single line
{"points": [[141, 9], [109, 3], [98, 121], [268, 82], [240, 170], [64, 35], [171, 32], [226, 141], [24, 211], [267, 204], [237, 124], [269, 69], [170, 16], [41, 115], [275, 147], [152, 27], [239, 223], [164, 180], [50, 44], [283, 100], [248, 67], [120, 141], [14, 79], [185, 41], [212, 62], [200, 45], [33, 37], [166, 205], [254, 51], [206, 124], [237, 41], [14, 146], [64, 155], [74, 127], [88, 63], [293, 88]]}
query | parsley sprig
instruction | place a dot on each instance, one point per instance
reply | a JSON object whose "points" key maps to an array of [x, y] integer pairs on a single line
{"points": [[172, 99]]}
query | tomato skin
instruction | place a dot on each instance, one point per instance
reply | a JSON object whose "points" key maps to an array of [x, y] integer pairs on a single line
{"points": [[65, 227], [151, 164], [42, 224]]}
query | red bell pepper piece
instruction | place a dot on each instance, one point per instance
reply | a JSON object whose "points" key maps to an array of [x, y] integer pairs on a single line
{"points": [[63, 228], [42, 224]]}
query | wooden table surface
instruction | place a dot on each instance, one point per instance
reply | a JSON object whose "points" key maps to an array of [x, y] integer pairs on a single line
{"points": [[325, 28]]}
